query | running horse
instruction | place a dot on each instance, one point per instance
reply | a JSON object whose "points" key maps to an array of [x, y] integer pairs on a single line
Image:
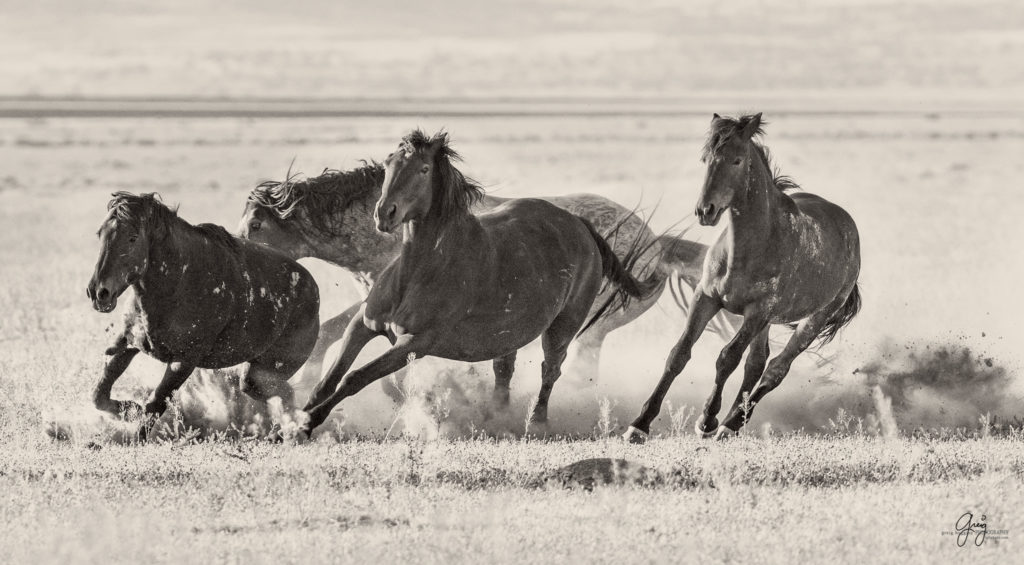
{"points": [[330, 217], [783, 259], [203, 299], [468, 287]]}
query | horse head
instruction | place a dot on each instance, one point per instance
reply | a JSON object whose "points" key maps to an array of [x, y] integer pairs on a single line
{"points": [[728, 154], [421, 182], [125, 237]]}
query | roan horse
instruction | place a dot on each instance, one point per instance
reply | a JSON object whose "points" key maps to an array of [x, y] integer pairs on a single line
{"points": [[472, 288], [783, 258], [329, 217], [203, 298]]}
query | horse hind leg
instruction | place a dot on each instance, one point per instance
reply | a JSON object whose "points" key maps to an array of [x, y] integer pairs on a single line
{"points": [[728, 360], [806, 332], [504, 367], [757, 358], [555, 343]]}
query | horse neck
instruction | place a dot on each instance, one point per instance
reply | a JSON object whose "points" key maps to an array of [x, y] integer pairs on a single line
{"points": [[433, 244], [755, 215], [171, 257], [363, 249]]}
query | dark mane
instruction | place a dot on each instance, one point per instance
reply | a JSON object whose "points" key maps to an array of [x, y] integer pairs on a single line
{"points": [[136, 209], [457, 191], [321, 197], [725, 128], [147, 209], [218, 234]]}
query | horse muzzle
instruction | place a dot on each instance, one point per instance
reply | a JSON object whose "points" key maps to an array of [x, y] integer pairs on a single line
{"points": [[709, 214], [103, 299], [385, 219], [104, 305]]}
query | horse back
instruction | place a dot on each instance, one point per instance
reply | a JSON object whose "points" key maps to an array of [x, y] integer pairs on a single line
{"points": [[530, 235]]}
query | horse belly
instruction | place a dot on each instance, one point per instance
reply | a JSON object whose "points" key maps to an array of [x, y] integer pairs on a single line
{"points": [[478, 339], [807, 290]]}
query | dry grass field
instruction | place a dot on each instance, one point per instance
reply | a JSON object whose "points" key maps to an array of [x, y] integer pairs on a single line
{"points": [[904, 113]]}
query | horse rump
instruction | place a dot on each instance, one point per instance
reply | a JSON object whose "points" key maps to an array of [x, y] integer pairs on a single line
{"points": [[843, 316]]}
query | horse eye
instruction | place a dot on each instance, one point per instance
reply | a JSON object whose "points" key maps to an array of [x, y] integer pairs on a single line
{"points": [[737, 161], [254, 226], [425, 169], [133, 238]]}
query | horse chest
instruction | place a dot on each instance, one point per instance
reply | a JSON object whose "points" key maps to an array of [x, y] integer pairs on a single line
{"points": [[174, 332]]}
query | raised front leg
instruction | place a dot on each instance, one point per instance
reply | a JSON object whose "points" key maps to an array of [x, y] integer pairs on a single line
{"points": [[704, 308], [120, 357], [392, 360], [503, 369], [357, 335], [330, 331], [728, 360]]}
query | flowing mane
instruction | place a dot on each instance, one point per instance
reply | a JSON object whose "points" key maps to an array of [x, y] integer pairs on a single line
{"points": [[456, 192], [725, 128], [321, 197], [147, 210]]}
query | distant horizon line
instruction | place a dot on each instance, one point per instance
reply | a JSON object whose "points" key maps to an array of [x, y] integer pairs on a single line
{"points": [[811, 104]]}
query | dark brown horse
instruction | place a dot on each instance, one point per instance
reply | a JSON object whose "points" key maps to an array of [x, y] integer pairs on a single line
{"points": [[203, 298], [472, 288], [783, 259], [330, 217]]}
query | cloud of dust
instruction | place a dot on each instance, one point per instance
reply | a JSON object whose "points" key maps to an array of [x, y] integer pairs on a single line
{"points": [[898, 389]]}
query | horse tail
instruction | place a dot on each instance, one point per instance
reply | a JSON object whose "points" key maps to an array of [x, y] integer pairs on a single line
{"points": [[842, 316], [620, 273], [682, 261]]}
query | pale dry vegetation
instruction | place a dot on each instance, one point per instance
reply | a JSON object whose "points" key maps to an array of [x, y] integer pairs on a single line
{"points": [[873, 476]]}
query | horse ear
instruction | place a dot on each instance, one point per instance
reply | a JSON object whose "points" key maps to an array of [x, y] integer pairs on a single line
{"points": [[753, 126], [715, 117], [438, 142]]}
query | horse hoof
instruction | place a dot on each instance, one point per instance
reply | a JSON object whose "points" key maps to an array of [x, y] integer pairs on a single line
{"points": [[698, 427], [723, 433], [635, 436]]}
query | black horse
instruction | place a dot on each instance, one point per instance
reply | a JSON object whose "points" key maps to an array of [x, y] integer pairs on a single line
{"points": [[203, 299]]}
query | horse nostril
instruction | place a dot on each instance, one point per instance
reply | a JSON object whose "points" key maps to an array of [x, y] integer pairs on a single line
{"points": [[103, 294], [392, 211]]}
